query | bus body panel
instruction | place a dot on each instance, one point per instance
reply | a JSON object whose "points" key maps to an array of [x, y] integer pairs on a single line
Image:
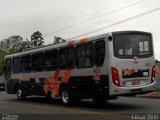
{"points": [[44, 83], [134, 75], [133, 84], [87, 81]]}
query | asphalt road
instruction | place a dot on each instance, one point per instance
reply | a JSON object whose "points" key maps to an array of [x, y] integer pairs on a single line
{"points": [[124, 108]]}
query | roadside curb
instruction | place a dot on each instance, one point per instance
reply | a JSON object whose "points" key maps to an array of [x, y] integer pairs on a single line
{"points": [[153, 95]]}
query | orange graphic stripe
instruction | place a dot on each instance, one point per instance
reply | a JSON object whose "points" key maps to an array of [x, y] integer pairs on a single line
{"points": [[50, 87], [46, 81], [83, 40], [51, 79], [53, 94], [45, 89], [66, 76], [56, 74], [56, 87]]}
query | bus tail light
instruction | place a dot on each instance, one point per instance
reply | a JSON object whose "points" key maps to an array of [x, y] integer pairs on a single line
{"points": [[153, 77], [115, 77]]}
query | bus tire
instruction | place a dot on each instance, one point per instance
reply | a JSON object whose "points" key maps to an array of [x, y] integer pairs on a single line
{"points": [[65, 96], [99, 100], [20, 95]]}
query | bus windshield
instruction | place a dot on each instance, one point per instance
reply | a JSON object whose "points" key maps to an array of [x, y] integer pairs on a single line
{"points": [[129, 45]]}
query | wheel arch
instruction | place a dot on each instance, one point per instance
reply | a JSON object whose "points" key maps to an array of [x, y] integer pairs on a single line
{"points": [[61, 86]]}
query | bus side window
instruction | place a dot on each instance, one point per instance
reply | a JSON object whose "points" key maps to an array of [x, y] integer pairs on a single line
{"points": [[70, 57], [62, 58], [85, 55], [26, 64], [80, 56], [16, 65], [89, 55], [8, 68], [51, 60], [99, 53], [37, 62]]}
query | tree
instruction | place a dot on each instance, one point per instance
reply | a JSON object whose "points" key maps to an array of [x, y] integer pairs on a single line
{"points": [[25, 44], [58, 40], [37, 39], [157, 61], [2, 54], [11, 45]]}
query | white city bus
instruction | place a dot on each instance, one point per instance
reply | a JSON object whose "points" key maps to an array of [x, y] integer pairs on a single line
{"points": [[100, 67]]}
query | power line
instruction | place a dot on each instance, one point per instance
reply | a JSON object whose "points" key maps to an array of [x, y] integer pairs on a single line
{"points": [[58, 30], [117, 23]]}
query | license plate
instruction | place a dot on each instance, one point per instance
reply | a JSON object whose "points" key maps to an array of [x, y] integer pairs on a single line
{"points": [[136, 82]]}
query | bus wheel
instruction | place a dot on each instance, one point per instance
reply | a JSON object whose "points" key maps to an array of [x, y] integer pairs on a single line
{"points": [[65, 96], [99, 100], [20, 95]]}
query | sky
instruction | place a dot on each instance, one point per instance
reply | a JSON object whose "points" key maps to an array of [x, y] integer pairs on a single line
{"points": [[24, 17]]}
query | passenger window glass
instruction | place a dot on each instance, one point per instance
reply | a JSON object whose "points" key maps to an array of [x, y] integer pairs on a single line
{"points": [[26, 64], [132, 44], [128, 51], [146, 47], [89, 55], [8, 68], [70, 57], [16, 65], [62, 58], [37, 62], [120, 51], [141, 46], [51, 60], [85, 55], [100, 53], [80, 56]]}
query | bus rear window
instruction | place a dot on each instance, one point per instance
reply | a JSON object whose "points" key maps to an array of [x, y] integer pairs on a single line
{"points": [[130, 45]]}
